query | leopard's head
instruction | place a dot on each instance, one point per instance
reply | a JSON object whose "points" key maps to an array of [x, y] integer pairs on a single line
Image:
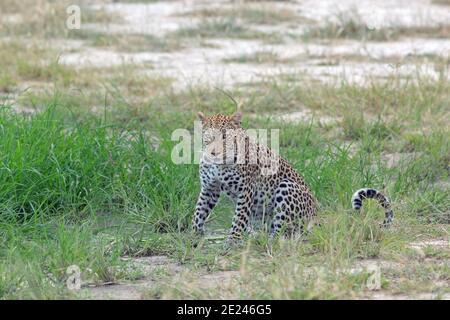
{"points": [[218, 133]]}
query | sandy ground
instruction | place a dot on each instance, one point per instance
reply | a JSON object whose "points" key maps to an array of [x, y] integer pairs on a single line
{"points": [[148, 266], [205, 65], [132, 290]]}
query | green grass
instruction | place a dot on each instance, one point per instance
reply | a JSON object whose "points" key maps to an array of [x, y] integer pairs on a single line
{"points": [[59, 176], [128, 42], [257, 15], [39, 71], [350, 25], [257, 57], [19, 62], [88, 190], [224, 28], [48, 18], [87, 167], [7, 82]]}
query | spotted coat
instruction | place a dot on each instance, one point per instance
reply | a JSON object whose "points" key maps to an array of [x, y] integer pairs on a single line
{"points": [[261, 184], [257, 189]]}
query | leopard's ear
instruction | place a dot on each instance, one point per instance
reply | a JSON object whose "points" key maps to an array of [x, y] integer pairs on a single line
{"points": [[237, 117], [201, 116]]}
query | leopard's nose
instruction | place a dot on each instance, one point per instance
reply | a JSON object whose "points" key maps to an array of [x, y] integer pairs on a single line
{"points": [[213, 153]]}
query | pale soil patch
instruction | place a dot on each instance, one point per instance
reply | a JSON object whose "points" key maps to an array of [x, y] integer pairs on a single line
{"points": [[10, 100], [161, 17], [148, 264], [156, 18], [409, 296], [200, 66], [444, 184], [393, 160], [441, 244], [12, 18], [102, 58], [150, 267], [224, 282], [65, 45], [216, 280], [204, 65], [380, 13], [24, 110], [438, 290], [363, 265], [304, 115], [131, 290]]}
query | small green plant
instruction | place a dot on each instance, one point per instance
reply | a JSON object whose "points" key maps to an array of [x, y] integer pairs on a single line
{"points": [[348, 26], [221, 28], [258, 57]]}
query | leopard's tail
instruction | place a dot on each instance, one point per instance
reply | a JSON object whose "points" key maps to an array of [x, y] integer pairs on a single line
{"points": [[368, 193]]}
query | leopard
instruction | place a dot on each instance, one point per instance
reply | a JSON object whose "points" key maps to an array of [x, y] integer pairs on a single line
{"points": [[261, 184]]}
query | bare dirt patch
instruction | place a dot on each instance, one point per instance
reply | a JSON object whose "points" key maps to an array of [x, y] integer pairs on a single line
{"points": [[205, 64], [412, 296], [131, 290], [440, 244], [392, 160], [151, 267], [304, 115]]}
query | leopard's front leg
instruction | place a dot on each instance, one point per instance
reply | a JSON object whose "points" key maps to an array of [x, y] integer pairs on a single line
{"points": [[207, 199], [242, 214]]}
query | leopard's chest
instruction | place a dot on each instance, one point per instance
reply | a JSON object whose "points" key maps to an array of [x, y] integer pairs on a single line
{"points": [[231, 180], [226, 176]]}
